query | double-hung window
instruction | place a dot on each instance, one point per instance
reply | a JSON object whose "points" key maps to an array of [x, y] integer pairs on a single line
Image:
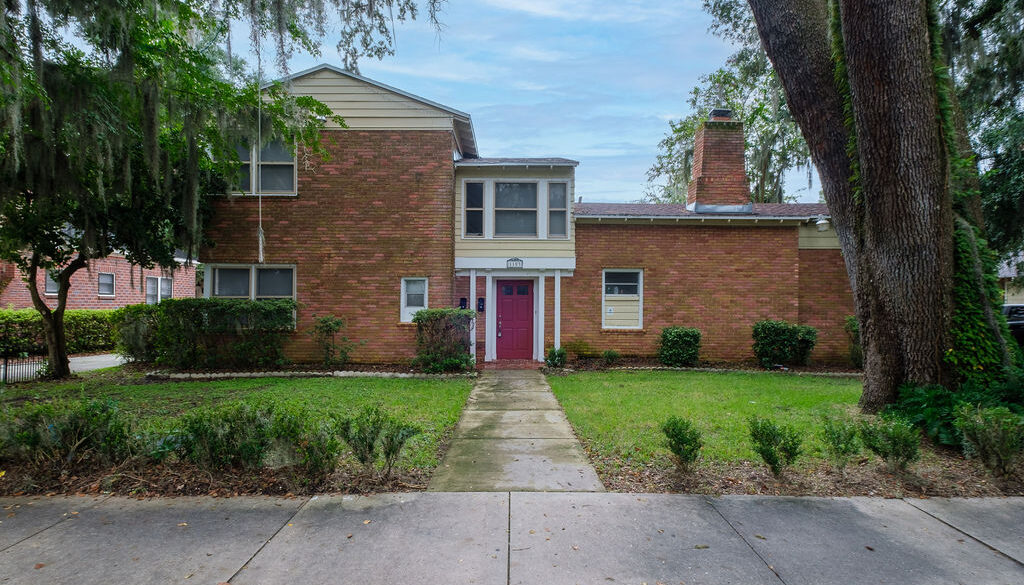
{"points": [[622, 305], [158, 288], [558, 210], [271, 171], [51, 287], [515, 209], [414, 297], [254, 282], [474, 227], [105, 284]]}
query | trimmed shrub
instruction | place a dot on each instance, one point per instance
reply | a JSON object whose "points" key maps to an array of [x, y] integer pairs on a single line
{"points": [[841, 440], [223, 332], [610, 357], [65, 433], [555, 358], [994, 435], [393, 439], [679, 346], [314, 438], [894, 439], [778, 445], [442, 340], [852, 328], [21, 331], [683, 439], [325, 331], [135, 331], [237, 434], [374, 429], [779, 342]]}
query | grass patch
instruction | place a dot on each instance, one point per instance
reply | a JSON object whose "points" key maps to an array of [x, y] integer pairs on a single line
{"points": [[619, 414], [433, 405]]}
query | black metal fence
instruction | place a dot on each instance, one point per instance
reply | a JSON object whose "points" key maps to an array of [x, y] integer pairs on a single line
{"points": [[22, 368]]}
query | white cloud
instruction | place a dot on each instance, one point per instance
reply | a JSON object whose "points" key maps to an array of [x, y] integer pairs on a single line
{"points": [[593, 10], [442, 68], [531, 53]]}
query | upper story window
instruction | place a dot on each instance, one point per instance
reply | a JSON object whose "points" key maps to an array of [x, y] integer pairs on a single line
{"points": [[474, 210], [533, 208], [271, 171], [558, 210], [515, 209], [105, 284]]}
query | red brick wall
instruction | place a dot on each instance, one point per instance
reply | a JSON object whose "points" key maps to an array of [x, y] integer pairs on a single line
{"points": [[825, 301], [719, 177], [720, 279], [382, 208], [129, 285]]}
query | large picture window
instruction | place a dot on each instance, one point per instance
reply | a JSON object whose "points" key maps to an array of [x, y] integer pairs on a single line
{"points": [[271, 171], [515, 209], [622, 305], [414, 297]]}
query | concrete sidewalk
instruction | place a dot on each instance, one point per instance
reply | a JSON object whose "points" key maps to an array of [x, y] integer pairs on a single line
{"points": [[505, 538], [513, 436]]}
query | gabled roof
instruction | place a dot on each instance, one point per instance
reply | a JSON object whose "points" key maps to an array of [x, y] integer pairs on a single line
{"points": [[462, 122], [517, 162], [678, 210]]}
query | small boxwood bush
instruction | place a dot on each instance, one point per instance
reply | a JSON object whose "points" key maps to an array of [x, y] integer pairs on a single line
{"points": [[442, 339], [683, 439], [896, 440], [778, 445], [610, 357], [21, 331], [994, 435], [680, 346], [841, 440], [779, 342], [555, 358]]}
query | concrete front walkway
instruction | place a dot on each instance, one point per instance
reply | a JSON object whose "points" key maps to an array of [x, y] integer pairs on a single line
{"points": [[513, 436], [503, 538]]}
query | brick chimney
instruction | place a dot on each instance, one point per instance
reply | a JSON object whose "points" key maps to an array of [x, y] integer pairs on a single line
{"points": [[719, 182]]}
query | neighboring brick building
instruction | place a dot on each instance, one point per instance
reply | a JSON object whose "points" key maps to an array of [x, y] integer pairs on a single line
{"points": [[107, 283], [393, 222]]}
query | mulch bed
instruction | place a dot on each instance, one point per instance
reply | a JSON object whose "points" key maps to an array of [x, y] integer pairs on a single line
{"points": [[189, 480], [940, 474]]}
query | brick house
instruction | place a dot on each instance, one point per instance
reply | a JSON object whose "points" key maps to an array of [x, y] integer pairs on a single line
{"points": [[405, 214], [107, 283]]}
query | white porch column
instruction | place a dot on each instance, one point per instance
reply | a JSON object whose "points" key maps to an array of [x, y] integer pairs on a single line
{"points": [[489, 321], [538, 353], [558, 309], [472, 306]]}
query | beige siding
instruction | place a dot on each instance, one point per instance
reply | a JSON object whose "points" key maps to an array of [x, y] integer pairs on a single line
{"points": [[625, 311], [812, 239], [366, 107], [504, 247], [1014, 295]]}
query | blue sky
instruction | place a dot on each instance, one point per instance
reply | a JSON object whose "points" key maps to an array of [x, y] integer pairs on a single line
{"points": [[592, 80]]}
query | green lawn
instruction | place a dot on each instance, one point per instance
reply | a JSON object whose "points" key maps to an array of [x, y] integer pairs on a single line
{"points": [[434, 405], [619, 414]]}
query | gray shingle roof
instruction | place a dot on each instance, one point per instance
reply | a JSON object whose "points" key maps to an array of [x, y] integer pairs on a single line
{"points": [[516, 162], [670, 210]]}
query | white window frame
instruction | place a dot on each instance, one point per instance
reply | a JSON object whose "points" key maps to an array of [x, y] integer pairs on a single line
{"points": [[549, 209], [254, 174], [159, 288], [253, 271], [407, 313], [482, 208], [538, 210], [639, 294], [113, 285]]}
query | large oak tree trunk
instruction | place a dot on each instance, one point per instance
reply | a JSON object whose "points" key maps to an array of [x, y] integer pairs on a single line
{"points": [[895, 233], [53, 319]]}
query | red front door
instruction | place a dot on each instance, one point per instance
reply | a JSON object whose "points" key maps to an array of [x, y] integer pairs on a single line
{"points": [[515, 319]]}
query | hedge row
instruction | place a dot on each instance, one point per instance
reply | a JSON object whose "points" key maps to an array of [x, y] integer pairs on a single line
{"points": [[192, 333], [21, 331]]}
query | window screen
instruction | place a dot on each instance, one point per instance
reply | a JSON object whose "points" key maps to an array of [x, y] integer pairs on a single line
{"points": [[105, 284], [231, 282], [557, 209], [621, 283], [51, 286], [515, 209], [474, 209], [273, 282]]}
